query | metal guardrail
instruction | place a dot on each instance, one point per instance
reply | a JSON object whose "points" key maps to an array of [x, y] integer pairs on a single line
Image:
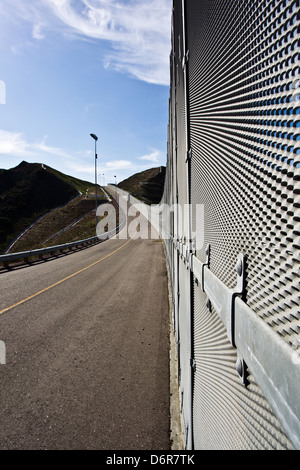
{"points": [[25, 255]]}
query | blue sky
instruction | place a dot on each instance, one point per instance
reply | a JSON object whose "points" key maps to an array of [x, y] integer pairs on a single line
{"points": [[69, 68]]}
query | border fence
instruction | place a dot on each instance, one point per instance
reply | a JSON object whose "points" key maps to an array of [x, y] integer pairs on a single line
{"points": [[233, 253]]}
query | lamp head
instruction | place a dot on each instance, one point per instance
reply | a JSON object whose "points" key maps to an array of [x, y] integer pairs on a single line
{"points": [[94, 136]]}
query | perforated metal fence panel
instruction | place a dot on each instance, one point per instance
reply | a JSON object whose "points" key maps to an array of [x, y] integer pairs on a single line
{"points": [[234, 157]]}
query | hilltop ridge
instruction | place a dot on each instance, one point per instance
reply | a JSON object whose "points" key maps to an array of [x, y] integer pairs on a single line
{"points": [[148, 185]]}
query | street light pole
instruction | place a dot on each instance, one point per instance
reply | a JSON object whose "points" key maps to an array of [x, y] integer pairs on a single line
{"points": [[95, 139]]}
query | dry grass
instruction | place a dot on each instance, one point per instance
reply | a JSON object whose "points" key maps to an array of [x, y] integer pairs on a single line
{"points": [[46, 232]]}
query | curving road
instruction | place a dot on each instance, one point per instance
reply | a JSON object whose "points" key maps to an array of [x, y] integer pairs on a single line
{"points": [[87, 350]]}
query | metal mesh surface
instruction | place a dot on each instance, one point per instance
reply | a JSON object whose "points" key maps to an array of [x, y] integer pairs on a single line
{"points": [[238, 117], [244, 120]]}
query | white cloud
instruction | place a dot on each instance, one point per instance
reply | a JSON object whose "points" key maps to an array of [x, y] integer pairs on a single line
{"points": [[153, 157], [138, 31], [36, 32], [118, 165], [42, 148], [13, 143], [16, 145]]}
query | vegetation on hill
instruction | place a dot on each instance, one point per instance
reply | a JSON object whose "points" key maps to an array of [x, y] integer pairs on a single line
{"points": [[147, 186], [49, 229], [80, 185], [29, 191]]}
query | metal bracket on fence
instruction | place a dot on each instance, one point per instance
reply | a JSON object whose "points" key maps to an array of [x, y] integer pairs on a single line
{"points": [[222, 297], [185, 59], [193, 364], [241, 368], [180, 248], [183, 252], [197, 267], [188, 155]]}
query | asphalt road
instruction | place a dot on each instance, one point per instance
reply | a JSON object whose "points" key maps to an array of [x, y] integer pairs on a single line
{"points": [[87, 350]]}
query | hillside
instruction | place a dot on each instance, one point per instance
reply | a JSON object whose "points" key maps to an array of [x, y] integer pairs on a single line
{"points": [[27, 192], [80, 185], [148, 186]]}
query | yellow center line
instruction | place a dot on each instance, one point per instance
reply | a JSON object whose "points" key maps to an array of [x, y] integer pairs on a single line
{"points": [[63, 280]]}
